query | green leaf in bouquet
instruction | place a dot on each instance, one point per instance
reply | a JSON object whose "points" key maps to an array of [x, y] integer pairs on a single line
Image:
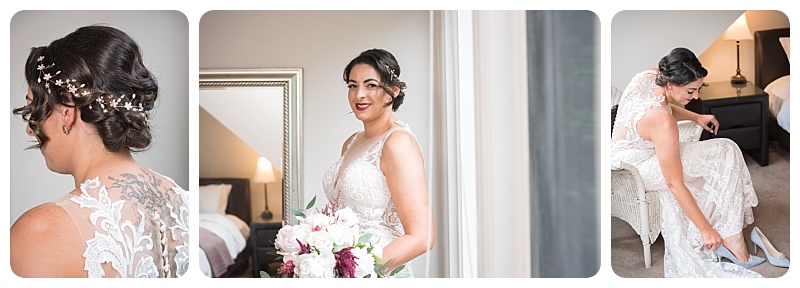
{"points": [[396, 270], [298, 213], [311, 203], [380, 267], [364, 239], [339, 247], [264, 274]]}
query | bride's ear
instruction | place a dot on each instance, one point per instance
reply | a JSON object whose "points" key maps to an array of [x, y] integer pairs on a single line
{"points": [[69, 114]]}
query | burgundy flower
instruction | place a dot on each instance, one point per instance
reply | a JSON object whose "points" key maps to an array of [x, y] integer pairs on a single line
{"points": [[303, 248], [287, 269], [346, 263]]}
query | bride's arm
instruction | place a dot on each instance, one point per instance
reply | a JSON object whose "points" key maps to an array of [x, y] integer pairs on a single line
{"points": [[402, 164], [44, 243], [681, 113], [661, 128]]}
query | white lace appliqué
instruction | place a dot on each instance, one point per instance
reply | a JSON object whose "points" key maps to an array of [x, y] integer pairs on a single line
{"points": [[125, 245]]}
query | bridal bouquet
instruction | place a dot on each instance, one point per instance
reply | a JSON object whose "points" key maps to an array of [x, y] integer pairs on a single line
{"points": [[327, 243]]}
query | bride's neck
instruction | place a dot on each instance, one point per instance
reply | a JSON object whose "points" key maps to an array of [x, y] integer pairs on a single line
{"points": [[95, 160], [379, 125]]}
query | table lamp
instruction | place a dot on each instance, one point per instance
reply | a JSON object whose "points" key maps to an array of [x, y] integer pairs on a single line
{"points": [[265, 174], [738, 31]]}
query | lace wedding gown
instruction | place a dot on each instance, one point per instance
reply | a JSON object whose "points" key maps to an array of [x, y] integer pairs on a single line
{"points": [[134, 225], [356, 180], [714, 171]]}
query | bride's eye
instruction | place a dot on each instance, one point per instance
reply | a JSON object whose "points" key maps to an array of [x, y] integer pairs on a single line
{"points": [[351, 86]]}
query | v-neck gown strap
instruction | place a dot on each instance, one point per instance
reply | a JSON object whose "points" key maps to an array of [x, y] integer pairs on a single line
{"points": [[356, 181]]}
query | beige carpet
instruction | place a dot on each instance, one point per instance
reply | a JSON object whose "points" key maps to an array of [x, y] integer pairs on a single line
{"points": [[772, 217]]}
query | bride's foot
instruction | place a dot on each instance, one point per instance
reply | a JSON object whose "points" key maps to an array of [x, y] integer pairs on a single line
{"points": [[737, 246], [724, 252]]}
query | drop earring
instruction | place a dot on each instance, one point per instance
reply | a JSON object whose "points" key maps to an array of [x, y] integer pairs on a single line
{"points": [[64, 128]]}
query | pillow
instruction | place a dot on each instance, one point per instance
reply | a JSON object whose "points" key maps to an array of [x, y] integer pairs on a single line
{"points": [[779, 87], [785, 44], [214, 198]]}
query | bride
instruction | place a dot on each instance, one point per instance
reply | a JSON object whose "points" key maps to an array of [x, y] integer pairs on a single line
{"points": [[87, 106], [381, 174], [712, 192]]}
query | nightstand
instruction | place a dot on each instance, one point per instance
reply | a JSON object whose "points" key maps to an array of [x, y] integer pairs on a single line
{"points": [[262, 239], [742, 112]]}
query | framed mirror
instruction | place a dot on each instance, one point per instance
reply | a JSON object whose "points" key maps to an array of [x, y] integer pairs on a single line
{"points": [[262, 108]]}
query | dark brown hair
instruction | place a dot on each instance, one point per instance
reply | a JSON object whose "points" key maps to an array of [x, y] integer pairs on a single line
{"points": [[679, 67], [109, 63], [386, 65]]}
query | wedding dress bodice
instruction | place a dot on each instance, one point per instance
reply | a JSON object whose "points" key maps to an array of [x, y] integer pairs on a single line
{"points": [[356, 181], [135, 227]]}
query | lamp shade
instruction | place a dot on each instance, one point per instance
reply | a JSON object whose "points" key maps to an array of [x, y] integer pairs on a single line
{"points": [[738, 30], [264, 171]]}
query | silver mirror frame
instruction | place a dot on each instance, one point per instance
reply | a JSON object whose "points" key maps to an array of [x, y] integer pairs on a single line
{"points": [[291, 80]]}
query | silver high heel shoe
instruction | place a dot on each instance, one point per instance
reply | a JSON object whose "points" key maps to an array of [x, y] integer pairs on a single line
{"points": [[774, 256]]}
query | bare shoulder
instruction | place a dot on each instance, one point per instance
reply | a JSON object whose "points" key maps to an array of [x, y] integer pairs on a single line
{"points": [[655, 122], [401, 141], [347, 142], [45, 243]]}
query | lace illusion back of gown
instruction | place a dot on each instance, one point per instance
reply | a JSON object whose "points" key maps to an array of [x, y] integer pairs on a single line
{"points": [[356, 181], [132, 225], [640, 96]]}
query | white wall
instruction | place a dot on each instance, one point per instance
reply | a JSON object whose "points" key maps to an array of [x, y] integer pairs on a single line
{"points": [[322, 43], [640, 38], [163, 37]]}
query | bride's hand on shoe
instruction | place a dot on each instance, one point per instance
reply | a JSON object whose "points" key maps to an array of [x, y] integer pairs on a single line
{"points": [[711, 238]]}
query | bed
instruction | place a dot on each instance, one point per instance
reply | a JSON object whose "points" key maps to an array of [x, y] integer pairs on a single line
{"points": [[772, 74], [225, 217]]}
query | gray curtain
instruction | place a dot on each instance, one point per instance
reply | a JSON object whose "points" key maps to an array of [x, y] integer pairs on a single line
{"points": [[563, 65]]}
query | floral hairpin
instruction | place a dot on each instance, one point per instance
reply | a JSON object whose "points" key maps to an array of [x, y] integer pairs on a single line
{"points": [[392, 75], [79, 90]]}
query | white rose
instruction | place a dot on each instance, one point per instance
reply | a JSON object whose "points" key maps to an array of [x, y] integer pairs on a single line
{"points": [[346, 217], [365, 264], [318, 220], [315, 265], [341, 235], [321, 240], [286, 241]]}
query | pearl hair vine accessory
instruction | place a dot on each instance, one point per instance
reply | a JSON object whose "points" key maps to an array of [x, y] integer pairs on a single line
{"points": [[392, 75], [79, 90]]}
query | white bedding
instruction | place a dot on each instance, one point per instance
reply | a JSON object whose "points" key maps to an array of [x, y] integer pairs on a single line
{"points": [[783, 115], [232, 230], [778, 92]]}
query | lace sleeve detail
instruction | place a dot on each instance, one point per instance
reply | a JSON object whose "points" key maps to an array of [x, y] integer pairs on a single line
{"points": [[639, 96]]}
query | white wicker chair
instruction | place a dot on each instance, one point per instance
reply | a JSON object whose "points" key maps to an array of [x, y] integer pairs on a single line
{"points": [[639, 208]]}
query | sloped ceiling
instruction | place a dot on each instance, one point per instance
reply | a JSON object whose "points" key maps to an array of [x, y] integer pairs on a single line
{"points": [[255, 115], [640, 38]]}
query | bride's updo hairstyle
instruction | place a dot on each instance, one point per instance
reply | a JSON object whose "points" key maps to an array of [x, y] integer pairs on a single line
{"points": [[387, 66], [679, 67], [99, 70]]}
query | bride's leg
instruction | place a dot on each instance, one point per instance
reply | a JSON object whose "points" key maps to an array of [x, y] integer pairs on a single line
{"points": [[737, 246]]}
